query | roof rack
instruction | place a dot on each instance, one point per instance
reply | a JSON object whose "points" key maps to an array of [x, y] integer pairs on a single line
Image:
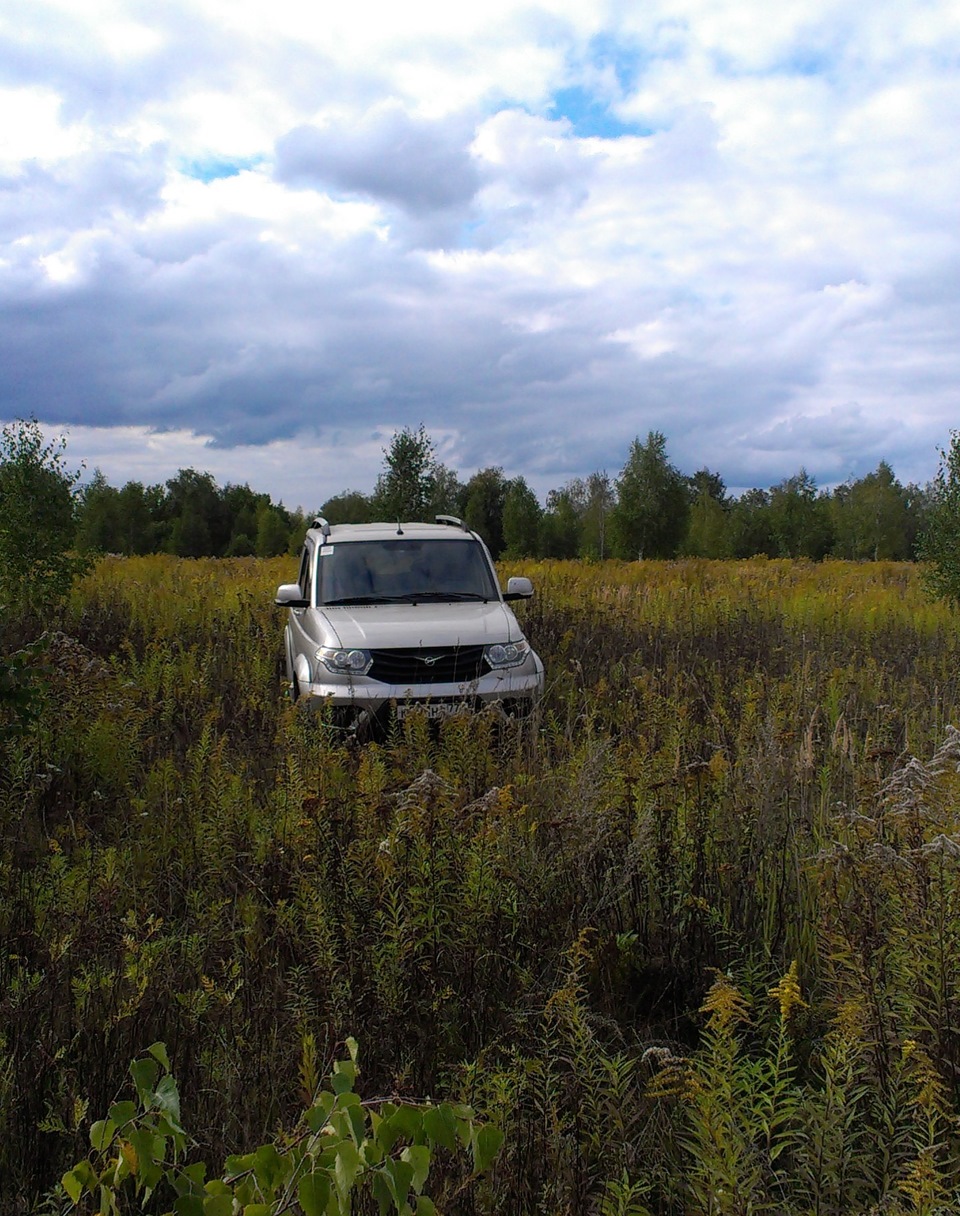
{"points": [[451, 521], [321, 523]]}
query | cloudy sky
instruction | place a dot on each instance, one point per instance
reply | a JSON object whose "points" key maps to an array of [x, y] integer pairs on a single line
{"points": [[258, 237]]}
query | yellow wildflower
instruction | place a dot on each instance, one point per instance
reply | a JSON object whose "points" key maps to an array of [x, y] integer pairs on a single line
{"points": [[787, 992], [725, 1004]]}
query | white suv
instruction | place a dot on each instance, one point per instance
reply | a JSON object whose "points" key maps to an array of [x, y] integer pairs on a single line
{"points": [[406, 615]]}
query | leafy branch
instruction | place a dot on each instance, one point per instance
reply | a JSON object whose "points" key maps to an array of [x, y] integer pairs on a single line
{"points": [[343, 1146]]}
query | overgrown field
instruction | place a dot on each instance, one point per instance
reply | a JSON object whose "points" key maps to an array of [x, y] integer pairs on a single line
{"points": [[692, 937]]}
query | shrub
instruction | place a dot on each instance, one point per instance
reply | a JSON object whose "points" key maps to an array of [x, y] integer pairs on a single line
{"points": [[36, 518], [940, 544]]}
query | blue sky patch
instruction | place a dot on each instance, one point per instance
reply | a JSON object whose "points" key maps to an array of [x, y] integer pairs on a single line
{"points": [[588, 115], [809, 63], [588, 110], [210, 170], [627, 63], [470, 234]]}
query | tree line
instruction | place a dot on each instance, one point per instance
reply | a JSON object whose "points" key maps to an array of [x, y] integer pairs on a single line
{"points": [[189, 516], [650, 509]]}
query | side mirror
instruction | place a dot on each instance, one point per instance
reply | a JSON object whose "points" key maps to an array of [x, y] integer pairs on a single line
{"points": [[289, 595], [518, 589]]}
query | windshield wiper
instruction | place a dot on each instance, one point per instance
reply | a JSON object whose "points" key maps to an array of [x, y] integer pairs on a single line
{"points": [[448, 597], [410, 597], [347, 600]]}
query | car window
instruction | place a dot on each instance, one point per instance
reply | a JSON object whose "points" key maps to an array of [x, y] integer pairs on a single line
{"points": [[369, 570], [304, 577]]}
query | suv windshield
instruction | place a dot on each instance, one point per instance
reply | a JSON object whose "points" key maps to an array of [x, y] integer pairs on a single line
{"points": [[406, 571]]}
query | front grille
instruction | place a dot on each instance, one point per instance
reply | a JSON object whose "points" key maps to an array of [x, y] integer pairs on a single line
{"points": [[428, 665]]}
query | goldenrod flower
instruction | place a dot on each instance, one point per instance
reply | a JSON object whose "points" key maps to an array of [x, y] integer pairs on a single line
{"points": [[850, 1019], [787, 992], [725, 1004]]}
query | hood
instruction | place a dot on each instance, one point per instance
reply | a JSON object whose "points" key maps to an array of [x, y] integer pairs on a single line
{"points": [[390, 626]]}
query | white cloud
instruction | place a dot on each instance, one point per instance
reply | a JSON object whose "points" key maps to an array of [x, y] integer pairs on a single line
{"points": [[282, 225], [31, 129], [294, 218]]}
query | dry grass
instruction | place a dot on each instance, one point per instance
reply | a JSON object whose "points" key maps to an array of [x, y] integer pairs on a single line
{"points": [[719, 782]]}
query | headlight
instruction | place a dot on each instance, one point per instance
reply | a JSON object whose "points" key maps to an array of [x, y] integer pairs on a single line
{"points": [[506, 654], [345, 662]]}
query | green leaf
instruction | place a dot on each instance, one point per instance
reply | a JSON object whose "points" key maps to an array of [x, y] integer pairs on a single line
{"points": [[314, 1193], [328, 1157], [150, 1150], [386, 1135], [246, 1191], [486, 1145], [425, 1207], [167, 1098], [318, 1114], [339, 1128], [145, 1073], [407, 1121], [217, 1187], [159, 1053], [358, 1124], [189, 1205], [218, 1205], [190, 1180], [268, 1166], [441, 1126], [463, 1117], [258, 1209], [101, 1134], [346, 1068], [381, 1192], [170, 1129], [341, 1083], [81, 1177], [123, 1112], [348, 1162], [371, 1154], [124, 1166], [417, 1157], [399, 1176], [237, 1165]]}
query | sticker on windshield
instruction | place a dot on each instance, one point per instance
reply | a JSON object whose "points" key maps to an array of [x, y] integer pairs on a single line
{"points": [[326, 550]]}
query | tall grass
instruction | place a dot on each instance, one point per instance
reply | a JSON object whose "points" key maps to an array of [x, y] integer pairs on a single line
{"points": [[575, 923]]}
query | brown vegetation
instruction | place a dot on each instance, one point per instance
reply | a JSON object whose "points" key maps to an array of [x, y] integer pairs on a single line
{"points": [[690, 937]]}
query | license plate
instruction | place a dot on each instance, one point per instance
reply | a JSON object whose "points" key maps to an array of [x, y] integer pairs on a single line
{"points": [[431, 709]]}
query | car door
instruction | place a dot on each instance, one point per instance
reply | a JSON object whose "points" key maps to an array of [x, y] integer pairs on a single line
{"points": [[299, 641]]}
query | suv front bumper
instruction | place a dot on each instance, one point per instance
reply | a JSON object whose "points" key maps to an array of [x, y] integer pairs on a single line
{"points": [[362, 699]]}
